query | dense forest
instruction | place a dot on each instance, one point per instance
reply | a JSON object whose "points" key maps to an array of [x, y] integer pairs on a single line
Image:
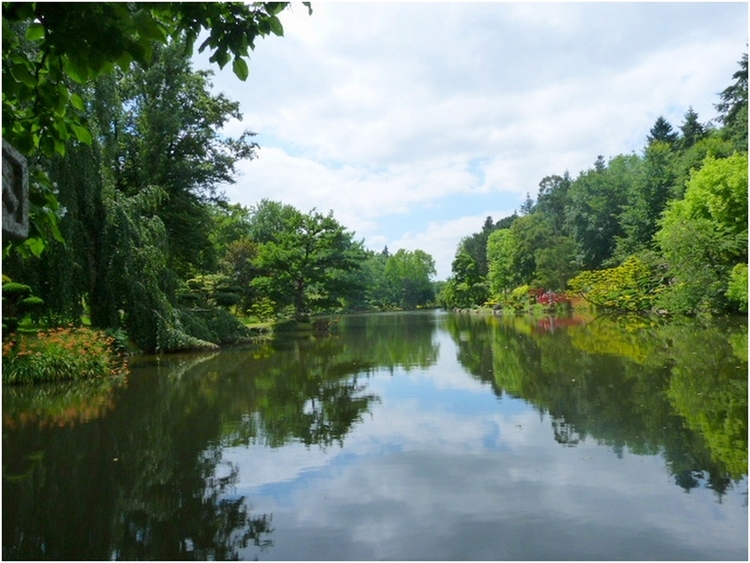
{"points": [[129, 228], [664, 230]]}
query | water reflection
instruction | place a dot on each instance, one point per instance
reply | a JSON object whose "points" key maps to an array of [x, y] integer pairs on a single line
{"points": [[678, 388], [403, 436], [147, 479]]}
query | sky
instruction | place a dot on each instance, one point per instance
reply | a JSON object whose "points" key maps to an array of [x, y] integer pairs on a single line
{"points": [[413, 122]]}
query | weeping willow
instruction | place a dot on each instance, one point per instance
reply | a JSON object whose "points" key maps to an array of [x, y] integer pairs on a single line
{"points": [[129, 224]]}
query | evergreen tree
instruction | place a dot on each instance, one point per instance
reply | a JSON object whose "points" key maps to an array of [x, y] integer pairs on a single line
{"points": [[733, 107], [662, 131], [692, 130]]}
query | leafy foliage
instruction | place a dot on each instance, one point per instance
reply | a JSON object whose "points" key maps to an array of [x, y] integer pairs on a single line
{"points": [[631, 286], [737, 290], [305, 264], [705, 235], [18, 301], [49, 48]]}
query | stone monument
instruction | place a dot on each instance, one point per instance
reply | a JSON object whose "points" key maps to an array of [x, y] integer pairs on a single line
{"points": [[15, 194]]}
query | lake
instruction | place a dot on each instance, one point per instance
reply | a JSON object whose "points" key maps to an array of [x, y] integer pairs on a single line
{"points": [[408, 436]]}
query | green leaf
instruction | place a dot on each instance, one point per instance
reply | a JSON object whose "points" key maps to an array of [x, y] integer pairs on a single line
{"points": [[82, 134], [35, 32], [47, 144], [148, 28], [22, 74], [239, 66], [36, 245], [77, 102], [276, 26], [221, 57], [75, 72], [59, 147]]}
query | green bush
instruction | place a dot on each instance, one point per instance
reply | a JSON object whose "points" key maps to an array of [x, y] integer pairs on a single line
{"points": [[17, 303], [632, 286], [737, 290], [60, 354], [213, 325]]}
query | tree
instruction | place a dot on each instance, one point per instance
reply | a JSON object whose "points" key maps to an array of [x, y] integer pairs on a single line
{"points": [[692, 130], [409, 272], [305, 266], [168, 134], [555, 263], [231, 222], [648, 193], [704, 236], [239, 264], [527, 206], [553, 199], [380, 292], [50, 47], [733, 107], [662, 131], [268, 219], [138, 218], [501, 256], [596, 199]]}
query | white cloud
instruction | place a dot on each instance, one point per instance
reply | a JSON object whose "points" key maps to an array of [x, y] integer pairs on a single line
{"points": [[381, 110]]}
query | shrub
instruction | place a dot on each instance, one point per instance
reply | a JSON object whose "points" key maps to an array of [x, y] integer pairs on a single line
{"points": [[519, 298], [737, 290], [17, 303], [631, 286], [213, 325], [60, 354]]}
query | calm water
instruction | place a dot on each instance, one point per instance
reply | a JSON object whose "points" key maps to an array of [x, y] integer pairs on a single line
{"points": [[399, 436]]}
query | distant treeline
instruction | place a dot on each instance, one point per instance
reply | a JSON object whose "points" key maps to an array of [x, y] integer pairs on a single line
{"points": [[664, 230]]}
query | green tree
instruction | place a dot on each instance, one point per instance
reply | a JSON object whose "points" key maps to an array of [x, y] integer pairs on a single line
{"points": [[733, 107], [552, 200], [168, 131], [305, 266], [231, 222], [48, 47], [555, 263], [692, 129], [138, 218], [705, 235], [467, 286], [737, 290], [268, 219], [380, 292], [648, 193], [409, 273], [597, 198], [662, 131], [239, 264], [501, 256]]}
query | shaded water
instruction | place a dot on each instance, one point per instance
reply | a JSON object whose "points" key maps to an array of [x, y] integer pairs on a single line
{"points": [[399, 436]]}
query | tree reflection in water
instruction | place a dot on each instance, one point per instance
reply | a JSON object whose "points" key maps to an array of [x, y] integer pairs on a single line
{"points": [[635, 383], [158, 487], [140, 471]]}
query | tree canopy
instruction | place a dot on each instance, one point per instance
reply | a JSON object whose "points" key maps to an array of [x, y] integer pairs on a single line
{"points": [[51, 50]]}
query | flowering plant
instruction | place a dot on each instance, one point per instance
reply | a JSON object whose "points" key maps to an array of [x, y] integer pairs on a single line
{"points": [[60, 354]]}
